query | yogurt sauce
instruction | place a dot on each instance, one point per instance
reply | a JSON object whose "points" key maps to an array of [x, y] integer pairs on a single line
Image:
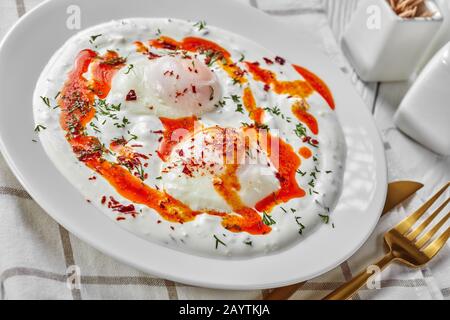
{"points": [[320, 175]]}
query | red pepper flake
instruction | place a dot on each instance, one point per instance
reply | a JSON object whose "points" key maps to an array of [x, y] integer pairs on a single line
{"points": [[158, 222], [128, 208], [92, 178], [118, 207], [314, 141], [266, 87], [103, 199], [194, 89], [280, 60], [152, 55], [268, 61], [131, 96], [120, 218], [181, 152], [186, 171]]}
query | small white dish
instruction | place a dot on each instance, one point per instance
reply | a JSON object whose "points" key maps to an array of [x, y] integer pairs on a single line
{"points": [[384, 47], [365, 180], [424, 113]]}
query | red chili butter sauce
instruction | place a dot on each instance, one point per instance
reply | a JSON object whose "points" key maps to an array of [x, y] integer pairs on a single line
{"points": [[317, 84], [76, 101], [256, 113], [300, 110], [287, 162], [296, 88], [305, 152], [78, 95], [175, 130]]}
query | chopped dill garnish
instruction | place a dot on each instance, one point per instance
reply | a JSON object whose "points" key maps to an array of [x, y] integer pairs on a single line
{"points": [[268, 220], [218, 241], [200, 25], [302, 227], [325, 218], [300, 130], [46, 100], [274, 110], [124, 123], [248, 243], [94, 37], [220, 104], [39, 127], [130, 67]]}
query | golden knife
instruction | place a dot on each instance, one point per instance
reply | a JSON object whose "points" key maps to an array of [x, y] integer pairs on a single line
{"points": [[397, 192]]}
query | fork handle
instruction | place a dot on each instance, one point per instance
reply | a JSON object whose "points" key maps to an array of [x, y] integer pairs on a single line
{"points": [[347, 290]]}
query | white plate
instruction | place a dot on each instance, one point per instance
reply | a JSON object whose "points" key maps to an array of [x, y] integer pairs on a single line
{"points": [[27, 49]]}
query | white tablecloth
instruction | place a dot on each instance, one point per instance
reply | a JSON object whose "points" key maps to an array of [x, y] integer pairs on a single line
{"points": [[36, 254]]}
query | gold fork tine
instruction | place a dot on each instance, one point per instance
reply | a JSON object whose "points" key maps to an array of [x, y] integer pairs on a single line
{"points": [[433, 248], [403, 247], [427, 236], [407, 223], [411, 236]]}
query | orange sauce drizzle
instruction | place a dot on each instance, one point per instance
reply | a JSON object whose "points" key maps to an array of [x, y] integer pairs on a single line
{"points": [[180, 127], [103, 70], [318, 84], [296, 88], [228, 186], [136, 191], [287, 164], [140, 47], [256, 113], [305, 152], [194, 44], [77, 110], [76, 101], [299, 109]]}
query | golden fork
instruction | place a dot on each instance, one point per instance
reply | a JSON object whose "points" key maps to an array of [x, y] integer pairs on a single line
{"points": [[406, 245]]}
